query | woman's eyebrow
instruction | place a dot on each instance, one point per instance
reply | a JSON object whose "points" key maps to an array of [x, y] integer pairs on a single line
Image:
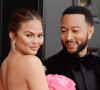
{"points": [[28, 32], [32, 32]]}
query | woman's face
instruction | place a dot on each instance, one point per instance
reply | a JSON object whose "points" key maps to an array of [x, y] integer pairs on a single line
{"points": [[29, 37]]}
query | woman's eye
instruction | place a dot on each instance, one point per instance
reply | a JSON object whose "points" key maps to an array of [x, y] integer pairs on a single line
{"points": [[40, 36], [28, 35]]}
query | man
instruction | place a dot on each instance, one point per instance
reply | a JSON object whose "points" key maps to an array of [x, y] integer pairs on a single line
{"points": [[74, 60]]}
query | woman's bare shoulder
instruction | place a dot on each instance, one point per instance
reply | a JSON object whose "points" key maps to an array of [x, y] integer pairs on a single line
{"points": [[29, 59], [25, 61], [29, 63], [32, 64], [35, 74], [32, 61]]}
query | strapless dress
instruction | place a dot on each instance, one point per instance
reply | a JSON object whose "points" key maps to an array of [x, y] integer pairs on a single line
{"points": [[60, 82]]}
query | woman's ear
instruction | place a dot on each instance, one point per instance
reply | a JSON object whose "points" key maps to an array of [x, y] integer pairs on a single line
{"points": [[11, 35], [90, 32]]}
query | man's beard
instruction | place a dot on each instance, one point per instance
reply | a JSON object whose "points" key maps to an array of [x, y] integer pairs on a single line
{"points": [[80, 47]]}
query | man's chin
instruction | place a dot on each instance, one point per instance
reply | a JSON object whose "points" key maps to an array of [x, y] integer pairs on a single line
{"points": [[72, 52]]}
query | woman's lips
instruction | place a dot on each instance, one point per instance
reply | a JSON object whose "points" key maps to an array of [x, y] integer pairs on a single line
{"points": [[33, 48]]}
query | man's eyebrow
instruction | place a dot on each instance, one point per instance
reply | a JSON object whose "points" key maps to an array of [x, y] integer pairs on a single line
{"points": [[75, 26], [62, 27]]}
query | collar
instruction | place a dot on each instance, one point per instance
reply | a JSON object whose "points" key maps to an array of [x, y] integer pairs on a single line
{"points": [[76, 61]]}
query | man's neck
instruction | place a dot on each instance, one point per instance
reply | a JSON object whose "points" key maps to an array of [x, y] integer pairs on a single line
{"points": [[83, 52]]}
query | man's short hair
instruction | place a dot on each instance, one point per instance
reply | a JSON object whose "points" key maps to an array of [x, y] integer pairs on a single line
{"points": [[80, 10]]}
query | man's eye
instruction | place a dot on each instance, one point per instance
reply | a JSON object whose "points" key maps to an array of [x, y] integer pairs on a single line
{"points": [[63, 30], [75, 30]]}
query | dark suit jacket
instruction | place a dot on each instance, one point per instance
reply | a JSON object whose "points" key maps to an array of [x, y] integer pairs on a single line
{"points": [[59, 64]]}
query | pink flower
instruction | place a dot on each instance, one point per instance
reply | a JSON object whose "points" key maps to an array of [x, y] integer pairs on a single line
{"points": [[60, 82]]}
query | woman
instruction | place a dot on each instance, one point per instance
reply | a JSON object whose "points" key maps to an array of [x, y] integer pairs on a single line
{"points": [[21, 69]]}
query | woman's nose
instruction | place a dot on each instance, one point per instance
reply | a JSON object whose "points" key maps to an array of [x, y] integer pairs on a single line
{"points": [[35, 40]]}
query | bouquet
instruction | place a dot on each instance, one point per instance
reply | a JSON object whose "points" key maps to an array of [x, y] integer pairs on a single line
{"points": [[60, 82]]}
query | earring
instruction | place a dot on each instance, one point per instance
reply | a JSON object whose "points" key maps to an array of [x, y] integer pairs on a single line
{"points": [[13, 45]]}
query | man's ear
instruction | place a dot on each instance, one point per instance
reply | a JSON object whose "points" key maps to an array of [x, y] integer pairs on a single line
{"points": [[90, 32], [11, 35]]}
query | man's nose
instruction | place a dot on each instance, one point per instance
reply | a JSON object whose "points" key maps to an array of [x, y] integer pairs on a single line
{"points": [[69, 35]]}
